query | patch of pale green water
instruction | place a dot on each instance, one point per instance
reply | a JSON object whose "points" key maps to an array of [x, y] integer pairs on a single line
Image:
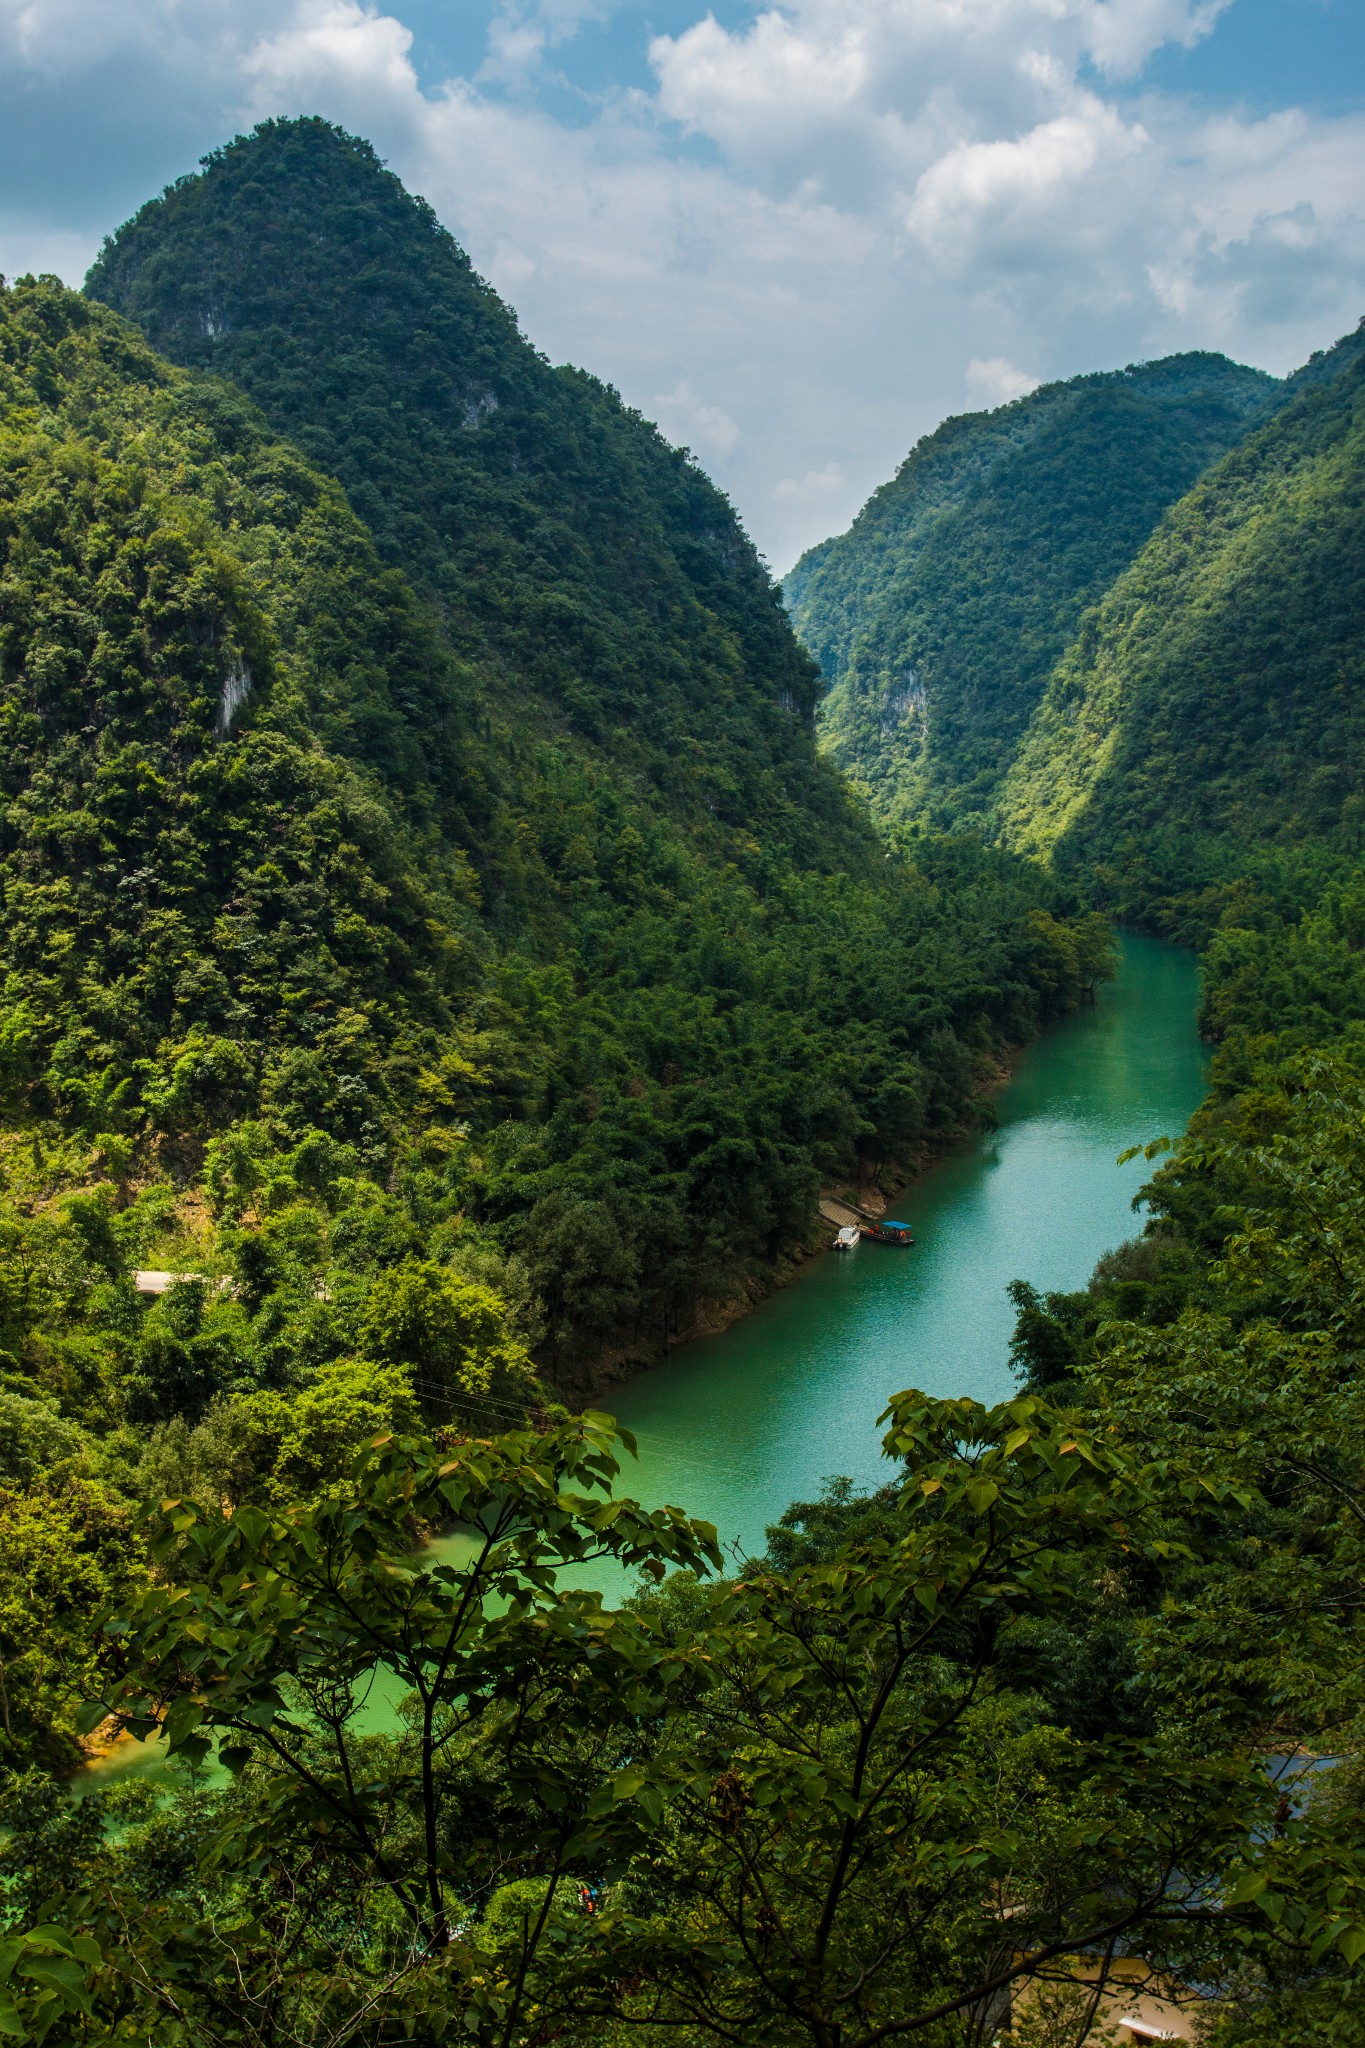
{"points": [[377, 1710], [148, 1761], [734, 1428], [126, 1760]]}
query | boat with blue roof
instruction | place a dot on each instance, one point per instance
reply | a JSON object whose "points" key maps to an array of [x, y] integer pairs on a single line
{"points": [[888, 1232]]}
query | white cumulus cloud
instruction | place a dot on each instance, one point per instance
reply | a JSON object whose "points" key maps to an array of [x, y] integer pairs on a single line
{"points": [[1012, 194], [685, 417], [995, 380], [336, 46], [785, 247]]}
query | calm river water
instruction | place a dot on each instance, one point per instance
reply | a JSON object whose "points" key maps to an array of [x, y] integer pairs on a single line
{"points": [[734, 1427]]}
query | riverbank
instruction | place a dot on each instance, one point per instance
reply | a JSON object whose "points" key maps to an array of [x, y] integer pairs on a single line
{"points": [[735, 1426], [714, 1317]]}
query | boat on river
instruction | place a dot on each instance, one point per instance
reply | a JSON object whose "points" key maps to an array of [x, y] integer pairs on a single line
{"points": [[888, 1232], [847, 1238]]}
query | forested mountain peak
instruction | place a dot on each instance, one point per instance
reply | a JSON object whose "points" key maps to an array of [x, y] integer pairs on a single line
{"points": [[937, 617], [1327, 364], [562, 538]]}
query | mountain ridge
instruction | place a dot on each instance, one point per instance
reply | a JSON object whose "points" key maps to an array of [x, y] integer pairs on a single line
{"points": [[556, 531], [938, 616], [1213, 701]]}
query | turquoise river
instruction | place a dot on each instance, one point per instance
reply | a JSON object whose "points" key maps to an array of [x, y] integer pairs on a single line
{"points": [[735, 1427]]}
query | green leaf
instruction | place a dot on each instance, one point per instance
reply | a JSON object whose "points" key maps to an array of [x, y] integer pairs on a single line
{"points": [[1250, 1884], [51, 1935], [1352, 1943], [251, 1523]]}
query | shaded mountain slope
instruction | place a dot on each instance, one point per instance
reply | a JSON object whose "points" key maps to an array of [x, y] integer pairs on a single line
{"points": [[1212, 709], [937, 618]]}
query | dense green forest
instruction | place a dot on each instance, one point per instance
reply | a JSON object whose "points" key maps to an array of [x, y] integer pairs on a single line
{"points": [[1225, 1342], [922, 1755], [1206, 724], [938, 616], [431, 935], [451, 1056]]}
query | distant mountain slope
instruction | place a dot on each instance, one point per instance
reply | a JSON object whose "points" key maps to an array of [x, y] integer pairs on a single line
{"points": [[1213, 706], [937, 617]]}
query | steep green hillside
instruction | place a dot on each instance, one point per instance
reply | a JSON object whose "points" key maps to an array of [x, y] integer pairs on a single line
{"points": [[938, 616], [1210, 716], [233, 862], [263, 1021], [600, 576]]}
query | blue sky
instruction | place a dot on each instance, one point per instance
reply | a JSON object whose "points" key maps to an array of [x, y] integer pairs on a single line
{"points": [[796, 236], [1259, 54]]}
